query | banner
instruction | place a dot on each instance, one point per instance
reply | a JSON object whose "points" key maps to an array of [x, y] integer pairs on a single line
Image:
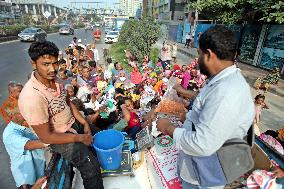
{"points": [[273, 48], [164, 157]]}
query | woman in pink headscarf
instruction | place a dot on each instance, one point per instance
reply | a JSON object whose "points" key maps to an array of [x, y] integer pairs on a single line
{"points": [[123, 79], [136, 76]]}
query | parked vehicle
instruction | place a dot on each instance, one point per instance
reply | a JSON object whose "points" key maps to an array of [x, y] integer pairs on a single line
{"points": [[32, 34], [107, 30], [112, 37], [66, 29]]}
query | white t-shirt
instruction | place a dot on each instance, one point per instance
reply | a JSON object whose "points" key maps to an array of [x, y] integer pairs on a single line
{"points": [[96, 55]]}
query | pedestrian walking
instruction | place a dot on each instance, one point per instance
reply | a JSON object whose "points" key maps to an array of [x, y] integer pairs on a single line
{"points": [[174, 52], [96, 54], [165, 55], [187, 40]]}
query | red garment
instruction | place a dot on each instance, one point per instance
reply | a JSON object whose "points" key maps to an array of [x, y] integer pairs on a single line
{"points": [[90, 54], [176, 67], [136, 77], [134, 120], [97, 32], [193, 64]]}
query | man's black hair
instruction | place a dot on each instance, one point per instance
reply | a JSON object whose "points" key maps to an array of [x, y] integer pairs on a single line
{"points": [[62, 61], [115, 64], [109, 60], [92, 63], [219, 40], [38, 49], [89, 111], [259, 96]]}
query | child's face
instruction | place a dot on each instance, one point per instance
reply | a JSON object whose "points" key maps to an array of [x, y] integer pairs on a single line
{"points": [[64, 66], [70, 91], [62, 75], [129, 105], [260, 101], [154, 81]]}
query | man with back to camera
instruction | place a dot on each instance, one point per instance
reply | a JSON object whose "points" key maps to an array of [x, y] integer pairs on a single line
{"points": [[223, 110], [55, 120]]}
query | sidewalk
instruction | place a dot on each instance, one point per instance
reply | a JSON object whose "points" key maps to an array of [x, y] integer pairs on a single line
{"points": [[251, 73]]}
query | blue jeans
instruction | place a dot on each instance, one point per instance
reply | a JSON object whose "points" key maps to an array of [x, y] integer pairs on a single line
{"points": [[186, 185]]}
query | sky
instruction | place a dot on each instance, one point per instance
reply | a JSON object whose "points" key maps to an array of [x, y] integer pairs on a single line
{"points": [[67, 3]]}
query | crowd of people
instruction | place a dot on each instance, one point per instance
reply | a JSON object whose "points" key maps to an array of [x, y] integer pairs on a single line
{"points": [[69, 97]]}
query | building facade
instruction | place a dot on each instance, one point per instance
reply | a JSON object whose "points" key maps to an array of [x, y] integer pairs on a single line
{"points": [[28, 1], [130, 6], [10, 10], [167, 10], [6, 11]]}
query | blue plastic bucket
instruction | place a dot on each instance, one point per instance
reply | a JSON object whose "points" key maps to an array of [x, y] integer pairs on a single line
{"points": [[108, 145]]}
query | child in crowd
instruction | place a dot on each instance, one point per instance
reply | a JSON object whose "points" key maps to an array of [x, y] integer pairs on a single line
{"points": [[125, 105], [259, 106]]}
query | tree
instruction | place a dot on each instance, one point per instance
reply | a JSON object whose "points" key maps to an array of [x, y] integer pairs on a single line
{"points": [[140, 35], [28, 19], [234, 11]]}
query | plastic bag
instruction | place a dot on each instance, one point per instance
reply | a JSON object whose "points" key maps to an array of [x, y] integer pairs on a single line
{"points": [[171, 103]]}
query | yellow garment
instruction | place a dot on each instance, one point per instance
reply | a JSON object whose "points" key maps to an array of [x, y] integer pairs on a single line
{"points": [[101, 85], [153, 74], [135, 97], [118, 85]]}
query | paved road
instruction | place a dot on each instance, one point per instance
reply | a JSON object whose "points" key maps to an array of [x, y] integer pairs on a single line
{"points": [[15, 66]]}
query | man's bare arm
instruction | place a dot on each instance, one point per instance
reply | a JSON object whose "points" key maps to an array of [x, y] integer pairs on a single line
{"points": [[34, 144], [185, 93]]}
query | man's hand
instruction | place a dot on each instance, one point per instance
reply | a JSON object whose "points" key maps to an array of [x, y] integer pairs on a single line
{"points": [[182, 116], [39, 183], [178, 88], [164, 125], [278, 173], [85, 139]]}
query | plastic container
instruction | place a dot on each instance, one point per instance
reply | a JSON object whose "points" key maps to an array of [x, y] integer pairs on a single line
{"points": [[108, 145]]}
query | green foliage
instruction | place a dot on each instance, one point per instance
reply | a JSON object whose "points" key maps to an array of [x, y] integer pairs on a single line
{"points": [[139, 35], [118, 55], [11, 30], [234, 11], [79, 25], [154, 55]]}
